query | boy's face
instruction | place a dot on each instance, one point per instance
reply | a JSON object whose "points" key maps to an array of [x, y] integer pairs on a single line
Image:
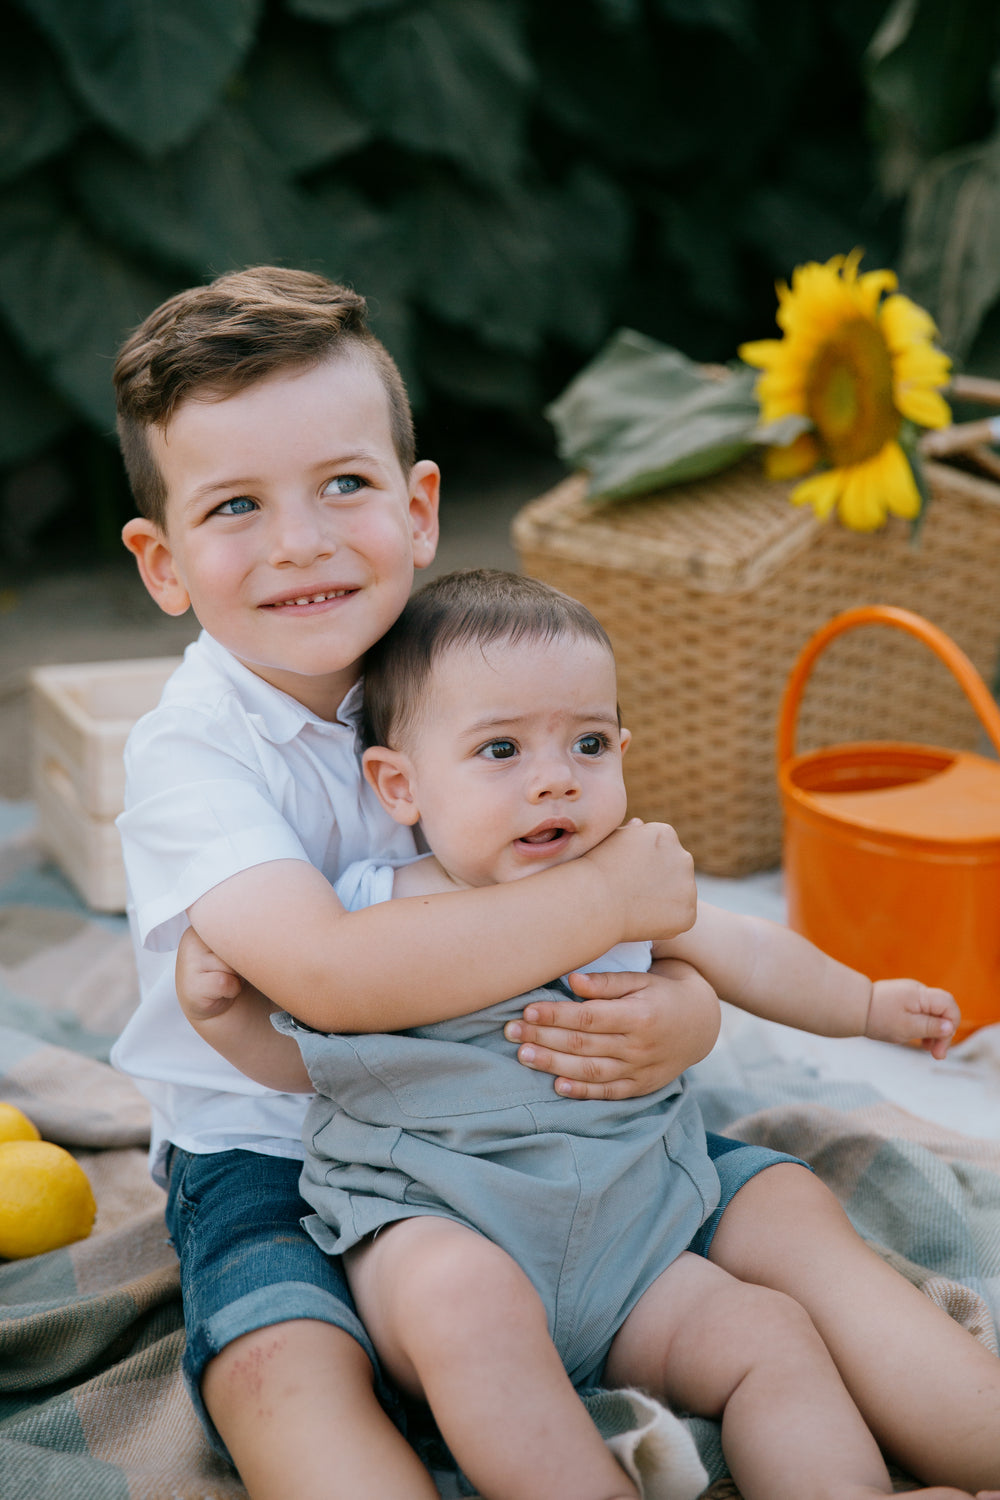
{"points": [[291, 529], [515, 762]]}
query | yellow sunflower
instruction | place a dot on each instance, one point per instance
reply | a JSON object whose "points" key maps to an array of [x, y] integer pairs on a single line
{"points": [[856, 362]]}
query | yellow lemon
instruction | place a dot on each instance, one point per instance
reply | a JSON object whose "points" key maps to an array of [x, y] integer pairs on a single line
{"points": [[16, 1127], [45, 1199]]}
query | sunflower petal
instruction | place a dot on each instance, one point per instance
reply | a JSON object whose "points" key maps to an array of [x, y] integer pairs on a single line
{"points": [[862, 505], [821, 492], [795, 458], [926, 408], [902, 496]]}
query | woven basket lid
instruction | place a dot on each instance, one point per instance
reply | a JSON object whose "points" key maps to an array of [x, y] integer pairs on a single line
{"points": [[723, 534]]}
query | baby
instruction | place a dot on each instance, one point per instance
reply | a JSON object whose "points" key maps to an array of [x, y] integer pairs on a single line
{"points": [[445, 1173]]}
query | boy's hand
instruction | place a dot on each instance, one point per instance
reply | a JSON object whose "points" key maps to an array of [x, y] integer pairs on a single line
{"points": [[649, 877], [904, 1010], [633, 1033], [206, 985]]}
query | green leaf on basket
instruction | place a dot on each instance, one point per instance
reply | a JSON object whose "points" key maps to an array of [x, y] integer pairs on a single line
{"points": [[642, 416]]}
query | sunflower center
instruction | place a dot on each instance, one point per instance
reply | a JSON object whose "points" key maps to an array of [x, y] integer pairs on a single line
{"points": [[849, 394]]}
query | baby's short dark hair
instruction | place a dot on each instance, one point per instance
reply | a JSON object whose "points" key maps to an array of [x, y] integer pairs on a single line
{"points": [[218, 339], [477, 607]]}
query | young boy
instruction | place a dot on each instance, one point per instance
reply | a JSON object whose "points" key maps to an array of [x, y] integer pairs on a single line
{"points": [[497, 698], [269, 445]]}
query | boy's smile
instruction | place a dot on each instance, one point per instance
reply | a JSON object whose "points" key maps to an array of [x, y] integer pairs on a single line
{"points": [[515, 761], [291, 528]]}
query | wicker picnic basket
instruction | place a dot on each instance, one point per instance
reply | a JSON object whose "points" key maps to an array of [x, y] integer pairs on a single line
{"points": [[710, 590]]}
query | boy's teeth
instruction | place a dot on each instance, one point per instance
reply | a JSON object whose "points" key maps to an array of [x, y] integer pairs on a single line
{"points": [[320, 598]]}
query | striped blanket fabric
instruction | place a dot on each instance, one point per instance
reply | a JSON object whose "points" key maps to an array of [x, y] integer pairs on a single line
{"points": [[92, 1405]]}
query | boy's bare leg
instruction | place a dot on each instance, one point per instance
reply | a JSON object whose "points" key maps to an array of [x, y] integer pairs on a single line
{"points": [[750, 1357], [296, 1408], [928, 1390], [456, 1322]]}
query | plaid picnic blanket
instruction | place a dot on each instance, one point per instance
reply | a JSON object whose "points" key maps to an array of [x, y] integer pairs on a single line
{"points": [[92, 1406]]}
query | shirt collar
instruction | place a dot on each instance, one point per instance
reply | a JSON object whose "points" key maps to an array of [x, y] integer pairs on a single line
{"points": [[276, 715]]}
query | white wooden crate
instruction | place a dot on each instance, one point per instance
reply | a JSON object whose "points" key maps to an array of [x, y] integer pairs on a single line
{"points": [[82, 715]]}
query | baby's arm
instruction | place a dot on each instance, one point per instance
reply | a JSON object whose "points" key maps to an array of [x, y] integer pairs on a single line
{"points": [[427, 958], [767, 969], [235, 1019]]}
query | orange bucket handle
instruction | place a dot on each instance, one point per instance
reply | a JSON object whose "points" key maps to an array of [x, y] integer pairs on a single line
{"points": [[942, 645]]}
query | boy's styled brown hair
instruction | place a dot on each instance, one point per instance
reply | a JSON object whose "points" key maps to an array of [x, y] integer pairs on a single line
{"points": [[218, 339], [475, 607]]}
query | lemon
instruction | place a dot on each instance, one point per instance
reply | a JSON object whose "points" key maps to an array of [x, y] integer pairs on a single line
{"points": [[16, 1127], [45, 1199]]}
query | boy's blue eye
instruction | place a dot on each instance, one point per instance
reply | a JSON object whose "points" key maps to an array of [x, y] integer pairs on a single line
{"points": [[499, 750], [240, 505], [591, 744], [345, 484]]}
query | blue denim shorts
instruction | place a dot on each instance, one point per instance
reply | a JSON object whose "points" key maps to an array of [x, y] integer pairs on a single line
{"points": [[246, 1262], [736, 1163]]}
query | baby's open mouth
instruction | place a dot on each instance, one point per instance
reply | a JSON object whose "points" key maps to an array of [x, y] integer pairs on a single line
{"points": [[546, 836]]}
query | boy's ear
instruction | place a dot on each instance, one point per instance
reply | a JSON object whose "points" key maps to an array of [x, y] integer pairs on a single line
{"points": [[626, 739], [151, 550], [390, 774], [425, 488]]}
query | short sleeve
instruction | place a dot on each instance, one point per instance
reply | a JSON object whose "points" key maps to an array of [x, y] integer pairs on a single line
{"points": [[199, 808]]}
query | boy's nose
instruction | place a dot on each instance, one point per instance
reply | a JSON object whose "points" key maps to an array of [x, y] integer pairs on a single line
{"points": [[299, 538]]}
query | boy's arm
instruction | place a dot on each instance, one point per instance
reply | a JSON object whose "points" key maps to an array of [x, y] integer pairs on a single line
{"points": [[422, 959], [771, 971], [235, 1019]]}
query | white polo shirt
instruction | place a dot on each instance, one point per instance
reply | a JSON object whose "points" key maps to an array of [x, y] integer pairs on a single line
{"points": [[227, 773]]}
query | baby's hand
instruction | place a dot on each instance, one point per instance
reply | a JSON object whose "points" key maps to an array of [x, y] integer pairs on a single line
{"points": [[650, 878], [904, 1010], [206, 985]]}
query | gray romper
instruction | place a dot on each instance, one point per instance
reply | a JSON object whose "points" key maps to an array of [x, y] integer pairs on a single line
{"points": [[592, 1199]]}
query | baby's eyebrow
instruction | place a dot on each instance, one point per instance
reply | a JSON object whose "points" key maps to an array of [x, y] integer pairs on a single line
{"points": [[514, 721]]}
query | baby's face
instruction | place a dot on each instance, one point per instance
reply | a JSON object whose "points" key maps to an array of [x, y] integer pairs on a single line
{"points": [[517, 757]]}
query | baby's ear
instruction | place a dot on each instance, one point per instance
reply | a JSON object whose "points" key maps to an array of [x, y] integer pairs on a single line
{"points": [[390, 774], [157, 569]]}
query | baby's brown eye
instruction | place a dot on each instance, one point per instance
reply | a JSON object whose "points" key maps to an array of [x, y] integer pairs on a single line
{"points": [[499, 749]]}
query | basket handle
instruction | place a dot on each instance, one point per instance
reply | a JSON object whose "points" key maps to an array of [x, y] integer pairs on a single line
{"points": [[944, 649]]}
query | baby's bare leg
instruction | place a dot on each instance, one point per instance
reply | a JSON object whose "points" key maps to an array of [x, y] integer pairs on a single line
{"points": [[712, 1345], [456, 1322], [295, 1405], [928, 1390]]}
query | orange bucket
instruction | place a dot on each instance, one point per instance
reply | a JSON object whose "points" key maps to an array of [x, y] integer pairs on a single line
{"points": [[892, 850]]}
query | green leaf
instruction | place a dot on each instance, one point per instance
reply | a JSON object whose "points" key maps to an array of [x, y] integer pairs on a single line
{"points": [[335, 11], [641, 416], [482, 262], [928, 72], [295, 102], [351, 241], [449, 78], [69, 297], [589, 227], [38, 116], [152, 70], [31, 414], [475, 376], [219, 202], [732, 17], [949, 262]]}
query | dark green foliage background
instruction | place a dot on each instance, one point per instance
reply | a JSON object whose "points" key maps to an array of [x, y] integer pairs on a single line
{"points": [[507, 181]]}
